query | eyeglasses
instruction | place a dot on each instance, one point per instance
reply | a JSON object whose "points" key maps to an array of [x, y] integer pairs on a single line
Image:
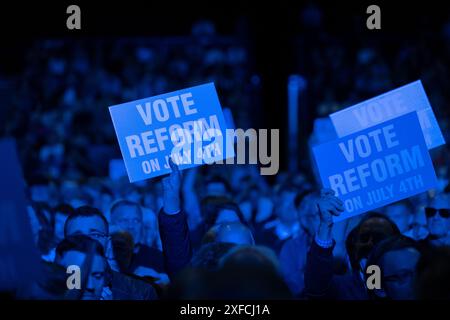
{"points": [[97, 235], [431, 212]]}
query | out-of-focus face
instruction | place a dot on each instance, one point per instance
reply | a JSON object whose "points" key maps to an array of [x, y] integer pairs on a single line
{"points": [[400, 215], [286, 211], [437, 224], [370, 233], [128, 218], [216, 189], [93, 227], [308, 214], [96, 277], [227, 216], [60, 220], [399, 270]]}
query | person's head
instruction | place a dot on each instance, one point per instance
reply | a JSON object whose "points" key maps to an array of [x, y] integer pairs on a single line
{"points": [[217, 186], [61, 213], [218, 210], [88, 221], [251, 257], [373, 228], [250, 272], [209, 255], [438, 216], [75, 251], [397, 258], [236, 233], [401, 213], [127, 216]]}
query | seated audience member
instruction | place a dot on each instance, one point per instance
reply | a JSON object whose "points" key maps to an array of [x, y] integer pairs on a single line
{"points": [[215, 211], [126, 216], [401, 213], [320, 280], [286, 225], [433, 274], [397, 258], [438, 221], [249, 272], [90, 222], [293, 252], [89, 256]]}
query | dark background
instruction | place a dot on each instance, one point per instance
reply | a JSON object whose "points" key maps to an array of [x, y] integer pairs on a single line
{"points": [[270, 30]]}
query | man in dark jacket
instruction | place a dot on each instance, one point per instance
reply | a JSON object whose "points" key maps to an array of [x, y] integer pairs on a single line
{"points": [[320, 281], [174, 236]]}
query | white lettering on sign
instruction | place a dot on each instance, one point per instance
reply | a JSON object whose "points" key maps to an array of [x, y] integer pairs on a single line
{"points": [[382, 109], [161, 110], [363, 144]]}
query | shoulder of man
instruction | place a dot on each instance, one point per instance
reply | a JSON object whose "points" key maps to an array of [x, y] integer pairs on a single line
{"points": [[125, 287]]}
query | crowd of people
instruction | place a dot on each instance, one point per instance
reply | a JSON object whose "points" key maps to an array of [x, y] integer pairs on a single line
{"points": [[216, 231]]}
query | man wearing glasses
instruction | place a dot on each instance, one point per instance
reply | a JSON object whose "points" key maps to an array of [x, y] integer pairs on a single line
{"points": [[90, 222], [438, 220]]}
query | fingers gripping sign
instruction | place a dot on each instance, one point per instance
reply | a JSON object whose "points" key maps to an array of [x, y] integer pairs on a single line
{"points": [[329, 205]]}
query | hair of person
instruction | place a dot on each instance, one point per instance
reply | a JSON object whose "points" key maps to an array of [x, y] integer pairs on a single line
{"points": [[86, 212], [248, 255], [64, 209], [377, 215], [80, 243], [352, 235], [125, 203], [394, 243], [212, 205], [209, 255], [397, 242]]}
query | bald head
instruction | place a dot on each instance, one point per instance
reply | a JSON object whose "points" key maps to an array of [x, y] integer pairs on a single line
{"points": [[234, 233]]}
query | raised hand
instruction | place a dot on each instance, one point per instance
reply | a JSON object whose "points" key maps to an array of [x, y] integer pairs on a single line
{"points": [[171, 190], [329, 206]]}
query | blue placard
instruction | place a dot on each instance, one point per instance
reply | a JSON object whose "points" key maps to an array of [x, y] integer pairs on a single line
{"points": [[400, 101], [187, 125], [377, 166]]}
